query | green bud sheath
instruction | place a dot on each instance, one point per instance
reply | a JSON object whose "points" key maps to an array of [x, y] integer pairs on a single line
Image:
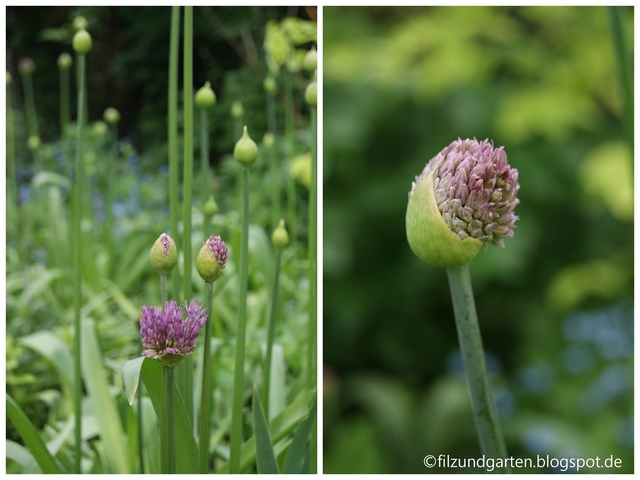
{"points": [[280, 236], [211, 207], [33, 142], [428, 234], [65, 61], [205, 97], [311, 94], [111, 116], [310, 62], [164, 254], [82, 42], [246, 150]]}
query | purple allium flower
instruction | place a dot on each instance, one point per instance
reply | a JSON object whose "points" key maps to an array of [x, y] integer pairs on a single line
{"points": [[475, 190], [212, 259], [165, 336]]}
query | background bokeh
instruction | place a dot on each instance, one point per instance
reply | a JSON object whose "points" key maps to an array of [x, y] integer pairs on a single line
{"points": [[555, 306]]}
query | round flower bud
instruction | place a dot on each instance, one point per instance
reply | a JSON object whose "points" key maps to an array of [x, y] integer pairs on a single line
{"points": [[270, 86], [9, 78], [65, 61], [26, 66], [211, 207], [280, 237], [80, 23], [82, 42], [33, 142], [212, 259], [310, 62], [246, 150], [311, 94], [111, 116], [237, 110], [268, 140], [100, 128], [164, 254], [464, 199], [205, 97]]}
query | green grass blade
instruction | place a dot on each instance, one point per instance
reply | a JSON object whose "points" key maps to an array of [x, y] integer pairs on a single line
{"points": [[265, 458], [31, 437], [186, 448], [131, 377], [111, 430], [295, 455]]}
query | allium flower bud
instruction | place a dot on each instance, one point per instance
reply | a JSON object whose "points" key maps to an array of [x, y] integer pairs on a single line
{"points": [[270, 86], [463, 199], [111, 116], [280, 236], [310, 62], [246, 150], [237, 110], [100, 128], [165, 336], [65, 61], [311, 93], [26, 66], [212, 259], [211, 207], [164, 254], [205, 97], [82, 42], [268, 140], [33, 142], [80, 23]]}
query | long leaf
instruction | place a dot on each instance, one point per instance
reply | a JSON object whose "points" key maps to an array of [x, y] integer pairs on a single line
{"points": [[31, 437], [295, 455], [186, 448], [111, 431], [265, 458], [131, 377]]}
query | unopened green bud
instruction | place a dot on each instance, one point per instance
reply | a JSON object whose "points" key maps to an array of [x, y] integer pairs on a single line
{"points": [[280, 236], [80, 23], [164, 254], [9, 78], [65, 61], [82, 42], [33, 142], [211, 207], [26, 66], [237, 110], [246, 150], [111, 116], [270, 86], [268, 140], [311, 94], [205, 97], [212, 259], [100, 128], [310, 62]]}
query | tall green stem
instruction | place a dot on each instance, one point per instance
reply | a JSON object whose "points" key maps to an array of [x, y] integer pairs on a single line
{"points": [[288, 112], [164, 291], [187, 382], [173, 134], [206, 386], [238, 382], [164, 412], [625, 74], [271, 112], [484, 410], [65, 116], [111, 172], [313, 242], [12, 187], [171, 424], [77, 264], [204, 158], [271, 337], [32, 118], [275, 186]]}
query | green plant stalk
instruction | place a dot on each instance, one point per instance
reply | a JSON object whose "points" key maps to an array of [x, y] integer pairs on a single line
{"points": [[139, 421], [271, 112], [484, 410], [65, 115], [171, 423], [205, 398], [12, 187], [173, 134], [622, 59], [164, 423], [77, 265], [204, 157], [312, 249], [292, 220], [237, 133], [288, 112], [187, 383], [108, 224], [271, 337], [275, 187], [32, 118], [238, 381]]}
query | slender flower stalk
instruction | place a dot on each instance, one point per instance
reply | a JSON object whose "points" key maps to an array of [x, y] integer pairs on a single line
{"points": [[280, 239], [270, 88], [268, 141], [464, 199], [26, 67], [173, 132], [112, 117], [210, 263], [245, 152], [82, 46], [205, 99], [12, 187], [187, 378], [311, 98]]}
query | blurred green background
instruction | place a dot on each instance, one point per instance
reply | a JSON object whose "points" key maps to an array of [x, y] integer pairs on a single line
{"points": [[555, 306]]}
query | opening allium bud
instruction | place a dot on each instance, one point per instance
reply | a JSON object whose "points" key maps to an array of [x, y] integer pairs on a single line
{"points": [[165, 336], [111, 116], [212, 259], [82, 42], [280, 236], [237, 110], [310, 62], [205, 97], [65, 61], [164, 254], [246, 150], [464, 198], [26, 66]]}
